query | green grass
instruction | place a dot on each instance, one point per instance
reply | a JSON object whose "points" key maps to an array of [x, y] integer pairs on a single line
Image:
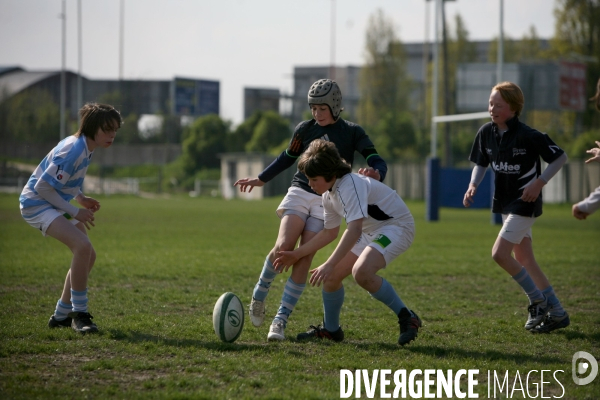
{"points": [[163, 263]]}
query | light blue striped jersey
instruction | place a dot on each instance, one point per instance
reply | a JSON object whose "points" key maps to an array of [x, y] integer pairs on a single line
{"points": [[63, 168]]}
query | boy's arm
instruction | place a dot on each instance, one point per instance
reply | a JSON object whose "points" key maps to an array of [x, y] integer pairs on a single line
{"points": [[50, 194], [532, 191], [321, 239], [348, 240]]}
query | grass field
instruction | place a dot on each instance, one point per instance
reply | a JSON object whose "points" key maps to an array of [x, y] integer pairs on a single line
{"points": [[163, 263]]}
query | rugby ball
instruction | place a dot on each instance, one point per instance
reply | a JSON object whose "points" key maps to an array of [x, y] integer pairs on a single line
{"points": [[228, 317]]}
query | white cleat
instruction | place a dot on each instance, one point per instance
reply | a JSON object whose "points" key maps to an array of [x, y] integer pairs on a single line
{"points": [[276, 331], [257, 312]]}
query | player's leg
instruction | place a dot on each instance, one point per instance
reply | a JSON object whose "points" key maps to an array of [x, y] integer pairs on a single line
{"points": [[76, 239], [551, 314], [383, 247], [295, 284], [290, 229], [514, 231], [333, 298]]}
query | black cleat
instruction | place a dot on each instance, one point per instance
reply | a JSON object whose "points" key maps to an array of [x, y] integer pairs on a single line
{"points": [[320, 332], [409, 323], [82, 322], [54, 323], [551, 323]]}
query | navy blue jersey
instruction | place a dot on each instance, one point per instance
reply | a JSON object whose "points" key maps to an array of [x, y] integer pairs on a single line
{"points": [[515, 160], [348, 138]]}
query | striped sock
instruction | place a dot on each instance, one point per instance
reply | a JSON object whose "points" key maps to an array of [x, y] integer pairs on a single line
{"points": [[79, 300], [523, 279], [332, 307], [62, 310], [267, 276], [291, 294], [556, 309], [388, 296]]}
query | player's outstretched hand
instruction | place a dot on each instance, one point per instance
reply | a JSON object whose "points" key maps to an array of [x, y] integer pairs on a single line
{"points": [[320, 274], [577, 213], [468, 199], [248, 184], [86, 216], [284, 260], [596, 152], [370, 172], [89, 203]]}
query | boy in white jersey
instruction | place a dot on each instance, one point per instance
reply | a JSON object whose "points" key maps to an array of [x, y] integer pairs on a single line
{"points": [[380, 227], [45, 206]]}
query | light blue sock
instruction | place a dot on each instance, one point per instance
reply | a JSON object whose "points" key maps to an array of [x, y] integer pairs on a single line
{"points": [[62, 310], [332, 307], [388, 296], [523, 279], [79, 300], [291, 294], [556, 309], [267, 275]]}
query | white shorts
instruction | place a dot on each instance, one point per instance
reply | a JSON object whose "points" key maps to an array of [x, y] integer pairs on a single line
{"points": [[302, 201], [389, 240], [516, 227], [43, 220]]}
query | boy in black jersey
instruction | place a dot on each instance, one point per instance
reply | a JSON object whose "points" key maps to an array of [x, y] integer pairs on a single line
{"points": [[513, 149], [301, 210]]}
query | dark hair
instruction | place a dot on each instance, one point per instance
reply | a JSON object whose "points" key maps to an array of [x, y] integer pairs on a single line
{"points": [[512, 94], [596, 98], [96, 116], [323, 159]]}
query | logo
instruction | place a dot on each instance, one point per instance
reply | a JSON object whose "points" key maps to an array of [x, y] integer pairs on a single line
{"points": [[234, 318], [488, 151], [58, 174], [506, 168], [519, 152], [382, 240], [581, 368], [552, 147]]}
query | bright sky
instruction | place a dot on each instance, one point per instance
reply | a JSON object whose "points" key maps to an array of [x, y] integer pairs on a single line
{"points": [[241, 43]]}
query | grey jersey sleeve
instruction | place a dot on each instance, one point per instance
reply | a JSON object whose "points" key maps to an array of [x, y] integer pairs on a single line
{"points": [[478, 174], [553, 167], [45, 190]]}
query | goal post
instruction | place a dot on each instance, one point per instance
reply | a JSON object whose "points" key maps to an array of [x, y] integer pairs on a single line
{"points": [[433, 175]]}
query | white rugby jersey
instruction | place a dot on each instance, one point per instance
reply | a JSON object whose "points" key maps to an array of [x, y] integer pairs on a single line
{"points": [[355, 196], [63, 168]]}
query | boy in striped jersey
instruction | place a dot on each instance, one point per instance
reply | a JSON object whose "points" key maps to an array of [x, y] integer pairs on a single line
{"points": [[45, 205]]}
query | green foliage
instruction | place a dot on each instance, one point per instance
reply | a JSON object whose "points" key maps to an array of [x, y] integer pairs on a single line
{"points": [[242, 135], [384, 83], [162, 264], [577, 37], [129, 132], [395, 136], [587, 140], [385, 89], [270, 133], [31, 116], [203, 140]]}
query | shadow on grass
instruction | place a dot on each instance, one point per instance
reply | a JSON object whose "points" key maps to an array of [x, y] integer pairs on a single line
{"points": [[138, 338], [490, 355]]}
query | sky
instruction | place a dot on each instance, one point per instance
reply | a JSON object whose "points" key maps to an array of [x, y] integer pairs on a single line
{"points": [[241, 43]]}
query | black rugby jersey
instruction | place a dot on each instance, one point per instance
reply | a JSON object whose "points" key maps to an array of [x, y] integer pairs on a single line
{"points": [[348, 137], [515, 160]]}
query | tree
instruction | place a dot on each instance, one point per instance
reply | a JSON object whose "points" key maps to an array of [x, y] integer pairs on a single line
{"points": [[384, 83], [271, 133], [577, 36], [31, 116], [203, 141], [243, 133]]}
